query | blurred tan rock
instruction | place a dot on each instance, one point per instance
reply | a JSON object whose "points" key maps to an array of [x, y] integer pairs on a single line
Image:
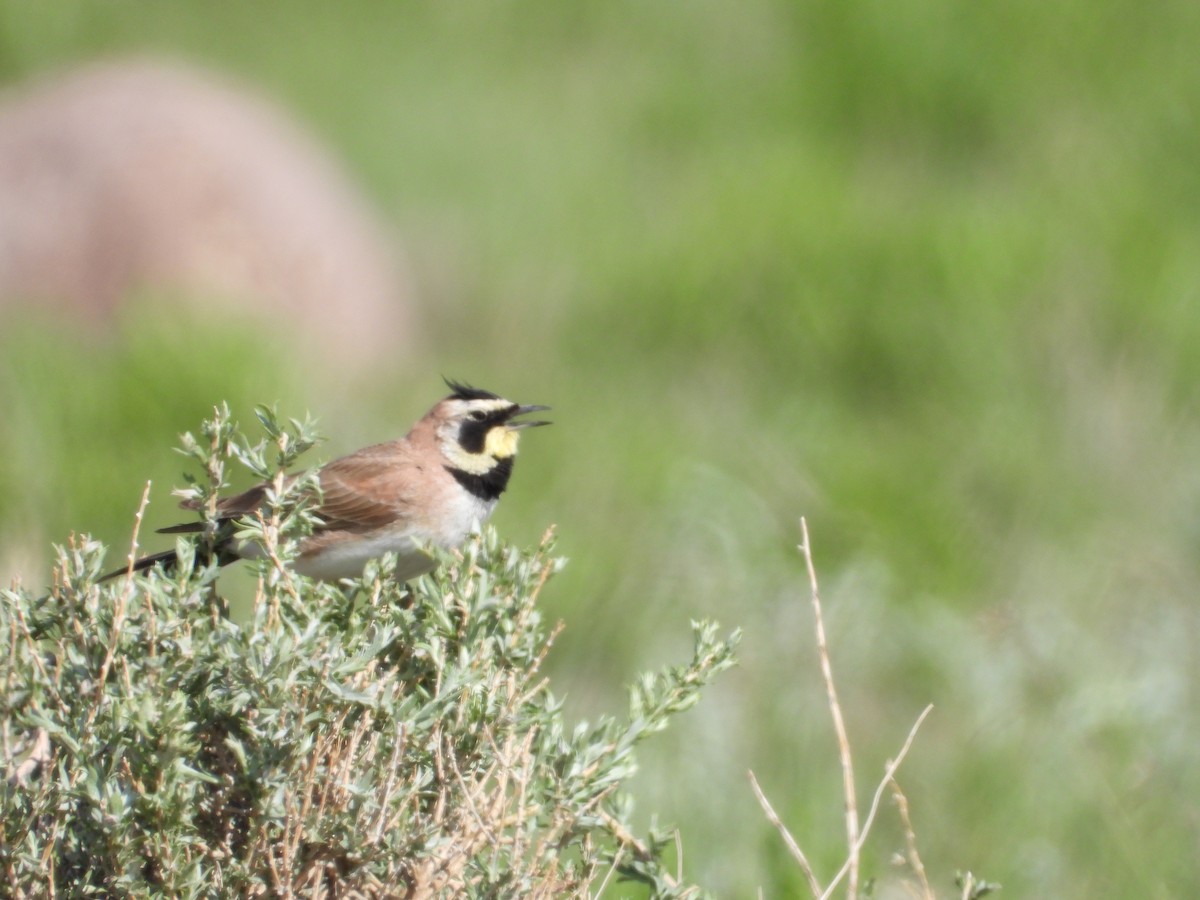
{"points": [[139, 174]]}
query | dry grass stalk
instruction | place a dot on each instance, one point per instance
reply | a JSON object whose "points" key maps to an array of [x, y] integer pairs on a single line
{"points": [[793, 847], [910, 841], [856, 836], [839, 723]]}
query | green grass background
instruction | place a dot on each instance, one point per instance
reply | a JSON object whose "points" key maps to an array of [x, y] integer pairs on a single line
{"points": [[925, 272]]}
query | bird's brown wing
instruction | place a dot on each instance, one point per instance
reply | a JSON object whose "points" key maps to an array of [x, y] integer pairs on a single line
{"points": [[359, 492], [365, 490]]}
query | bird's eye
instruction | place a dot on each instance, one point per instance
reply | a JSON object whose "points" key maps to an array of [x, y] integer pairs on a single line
{"points": [[477, 416]]}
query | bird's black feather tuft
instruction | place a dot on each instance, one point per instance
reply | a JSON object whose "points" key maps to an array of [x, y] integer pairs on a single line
{"points": [[466, 392]]}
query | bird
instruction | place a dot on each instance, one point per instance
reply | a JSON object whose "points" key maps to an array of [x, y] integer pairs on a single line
{"points": [[431, 487]]}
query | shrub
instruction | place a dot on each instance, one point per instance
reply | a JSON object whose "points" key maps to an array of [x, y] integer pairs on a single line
{"points": [[367, 739]]}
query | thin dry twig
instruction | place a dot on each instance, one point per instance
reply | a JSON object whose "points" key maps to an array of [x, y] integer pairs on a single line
{"points": [[39, 753], [627, 840], [612, 870], [385, 799], [856, 835], [887, 777], [678, 855], [119, 610], [968, 885], [839, 724], [813, 884], [910, 840], [131, 560]]}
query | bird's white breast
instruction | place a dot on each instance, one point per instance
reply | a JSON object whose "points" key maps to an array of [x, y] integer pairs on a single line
{"points": [[346, 559], [465, 512]]}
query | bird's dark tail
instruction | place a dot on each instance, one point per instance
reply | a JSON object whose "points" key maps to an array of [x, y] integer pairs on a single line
{"points": [[167, 560]]}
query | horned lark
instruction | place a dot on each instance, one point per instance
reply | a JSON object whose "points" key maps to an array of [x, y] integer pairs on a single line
{"points": [[428, 488]]}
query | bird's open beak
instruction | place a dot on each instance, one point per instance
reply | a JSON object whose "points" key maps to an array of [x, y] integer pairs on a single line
{"points": [[522, 410]]}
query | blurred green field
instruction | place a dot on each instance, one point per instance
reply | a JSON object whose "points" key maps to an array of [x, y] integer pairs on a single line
{"points": [[924, 272]]}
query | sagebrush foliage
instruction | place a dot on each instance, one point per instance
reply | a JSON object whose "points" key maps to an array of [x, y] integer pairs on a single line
{"points": [[368, 739]]}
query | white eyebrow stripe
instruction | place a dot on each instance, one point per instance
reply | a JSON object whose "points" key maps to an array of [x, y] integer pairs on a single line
{"points": [[483, 405]]}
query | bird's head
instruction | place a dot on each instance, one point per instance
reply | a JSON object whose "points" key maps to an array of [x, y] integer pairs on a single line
{"points": [[478, 431]]}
